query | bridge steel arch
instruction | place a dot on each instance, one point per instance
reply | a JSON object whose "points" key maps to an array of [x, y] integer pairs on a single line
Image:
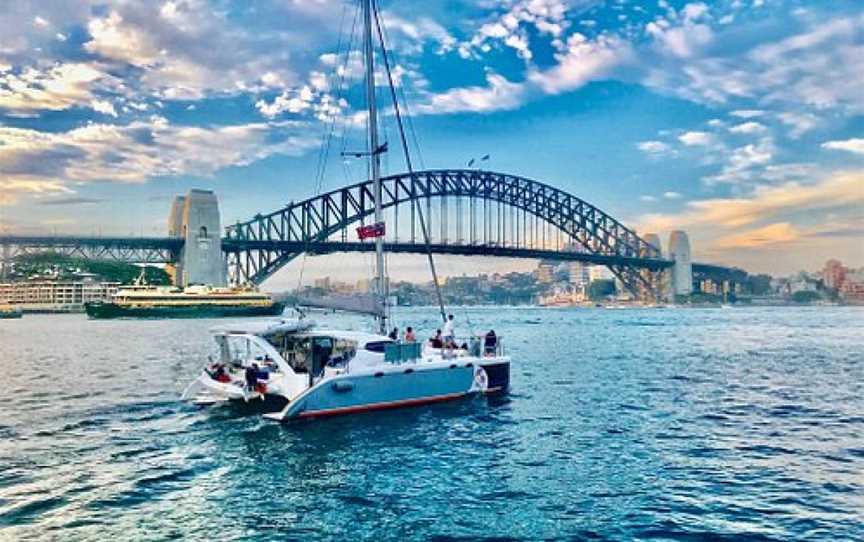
{"points": [[259, 247]]}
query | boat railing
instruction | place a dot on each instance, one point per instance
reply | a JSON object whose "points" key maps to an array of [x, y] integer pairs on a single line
{"points": [[485, 346], [398, 352]]}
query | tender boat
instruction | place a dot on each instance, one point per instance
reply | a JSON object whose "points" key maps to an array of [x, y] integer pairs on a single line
{"points": [[294, 369]]}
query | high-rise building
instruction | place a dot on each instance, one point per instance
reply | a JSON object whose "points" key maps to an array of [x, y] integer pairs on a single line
{"points": [[545, 272], [580, 274], [834, 274]]}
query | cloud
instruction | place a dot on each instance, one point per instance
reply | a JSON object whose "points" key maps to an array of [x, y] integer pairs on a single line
{"points": [[772, 234], [695, 138], [747, 113], [653, 147], [747, 128], [682, 40], [801, 123], [542, 17], [11, 189], [854, 145], [671, 195], [33, 162], [843, 189], [775, 229], [103, 106], [71, 200], [188, 50], [499, 94], [55, 88], [744, 162], [416, 33], [819, 67], [582, 61]]}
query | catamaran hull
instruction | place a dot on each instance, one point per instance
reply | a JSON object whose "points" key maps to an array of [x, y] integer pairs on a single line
{"points": [[111, 310], [498, 375], [413, 386]]}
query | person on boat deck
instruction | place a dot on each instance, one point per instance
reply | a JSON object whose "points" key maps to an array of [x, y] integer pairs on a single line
{"points": [[251, 376], [490, 342], [449, 332], [410, 337], [219, 375], [437, 341], [394, 334]]}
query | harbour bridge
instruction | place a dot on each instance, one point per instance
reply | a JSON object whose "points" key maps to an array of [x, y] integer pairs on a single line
{"points": [[467, 212]]}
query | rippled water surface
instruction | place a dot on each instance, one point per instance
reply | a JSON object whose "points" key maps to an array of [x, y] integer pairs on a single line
{"points": [[743, 424]]}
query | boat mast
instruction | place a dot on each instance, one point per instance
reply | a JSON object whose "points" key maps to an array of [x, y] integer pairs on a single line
{"points": [[374, 155]]}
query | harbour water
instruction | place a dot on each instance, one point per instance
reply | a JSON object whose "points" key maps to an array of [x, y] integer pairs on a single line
{"points": [[655, 424]]}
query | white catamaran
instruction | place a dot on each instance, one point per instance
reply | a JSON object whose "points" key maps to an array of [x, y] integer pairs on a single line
{"points": [[296, 369]]}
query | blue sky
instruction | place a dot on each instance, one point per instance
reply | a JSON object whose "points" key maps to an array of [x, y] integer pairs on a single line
{"points": [[741, 122]]}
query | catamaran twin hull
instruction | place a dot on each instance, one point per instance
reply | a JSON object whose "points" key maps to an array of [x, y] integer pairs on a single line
{"points": [[387, 388], [392, 388]]}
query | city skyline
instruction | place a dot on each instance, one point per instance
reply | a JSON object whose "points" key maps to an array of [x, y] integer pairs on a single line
{"points": [[739, 122]]}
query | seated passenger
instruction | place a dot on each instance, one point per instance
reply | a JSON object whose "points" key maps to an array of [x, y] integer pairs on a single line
{"points": [[437, 341]]}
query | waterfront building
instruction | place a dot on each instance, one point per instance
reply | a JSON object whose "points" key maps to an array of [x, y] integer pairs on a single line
{"points": [[56, 295], [852, 289], [599, 272], [579, 274], [545, 272]]}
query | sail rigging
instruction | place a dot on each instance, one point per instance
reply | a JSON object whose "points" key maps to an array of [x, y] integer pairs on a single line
{"points": [[408, 163]]}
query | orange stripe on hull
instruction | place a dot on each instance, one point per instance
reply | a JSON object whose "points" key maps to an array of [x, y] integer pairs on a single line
{"points": [[380, 406]]}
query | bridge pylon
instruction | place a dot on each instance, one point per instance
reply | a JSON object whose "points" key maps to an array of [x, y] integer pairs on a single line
{"points": [[195, 218]]}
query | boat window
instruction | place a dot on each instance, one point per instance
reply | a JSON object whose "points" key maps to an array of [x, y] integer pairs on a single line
{"points": [[377, 346], [242, 351]]}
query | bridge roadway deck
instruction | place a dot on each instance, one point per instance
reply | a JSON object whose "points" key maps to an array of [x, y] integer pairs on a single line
{"points": [[330, 247], [173, 245]]}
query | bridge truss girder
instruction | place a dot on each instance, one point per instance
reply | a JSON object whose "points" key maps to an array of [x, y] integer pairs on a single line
{"points": [[318, 218], [136, 250]]}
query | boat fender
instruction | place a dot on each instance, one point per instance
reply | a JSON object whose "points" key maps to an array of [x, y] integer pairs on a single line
{"points": [[343, 385], [481, 379]]}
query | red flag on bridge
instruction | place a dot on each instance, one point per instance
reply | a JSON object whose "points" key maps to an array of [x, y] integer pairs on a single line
{"points": [[372, 230]]}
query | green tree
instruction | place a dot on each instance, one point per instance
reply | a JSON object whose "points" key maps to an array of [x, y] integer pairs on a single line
{"points": [[759, 284], [805, 297]]}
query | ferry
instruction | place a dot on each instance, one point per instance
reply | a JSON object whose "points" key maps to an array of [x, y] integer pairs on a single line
{"points": [[294, 369], [10, 311], [196, 301]]}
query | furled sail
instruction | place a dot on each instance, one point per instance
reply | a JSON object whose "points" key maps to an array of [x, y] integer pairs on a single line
{"points": [[362, 304]]}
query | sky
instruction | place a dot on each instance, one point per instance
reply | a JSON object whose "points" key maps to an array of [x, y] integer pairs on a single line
{"points": [[740, 122]]}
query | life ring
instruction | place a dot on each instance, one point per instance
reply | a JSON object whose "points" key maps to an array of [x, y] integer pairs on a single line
{"points": [[481, 379]]}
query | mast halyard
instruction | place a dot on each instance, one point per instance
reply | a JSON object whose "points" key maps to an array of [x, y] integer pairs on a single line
{"points": [[374, 155]]}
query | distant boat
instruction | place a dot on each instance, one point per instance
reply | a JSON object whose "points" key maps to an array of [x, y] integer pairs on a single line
{"points": [[198, 301], [8, 311]]}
